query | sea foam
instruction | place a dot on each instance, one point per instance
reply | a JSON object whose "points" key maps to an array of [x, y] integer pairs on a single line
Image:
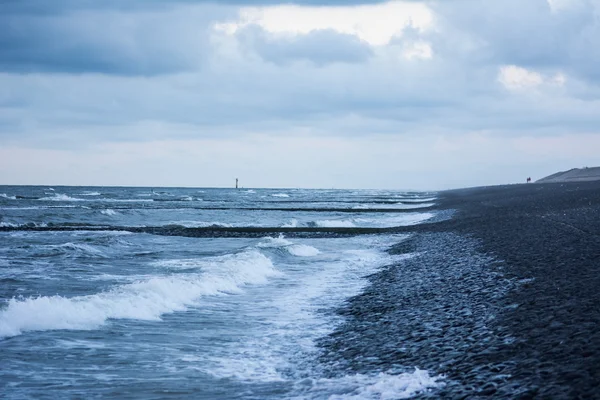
{"points": [[109, 212], [335, 224], [143, 300], [383, 386], [298, 250], [60, 197]]}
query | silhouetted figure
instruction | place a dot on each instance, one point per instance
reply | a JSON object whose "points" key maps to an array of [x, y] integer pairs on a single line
{"points": [[236, 183], [528, 180]]}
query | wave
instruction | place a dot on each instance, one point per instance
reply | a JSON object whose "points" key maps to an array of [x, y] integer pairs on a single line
{"points": [[280, 195], [108, 212], [144, 300], [365, 387], [298, 250], [186, 198], [418, 200], [71, 250], [7, 196], [60, 197], [90, 194], [396, 207], [201, 224], [292, 224], [395, 220], [332, 223], [286, 349], [8, 225]]}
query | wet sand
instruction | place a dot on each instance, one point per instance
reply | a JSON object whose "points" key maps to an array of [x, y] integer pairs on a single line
{"points": [[503, 298]]}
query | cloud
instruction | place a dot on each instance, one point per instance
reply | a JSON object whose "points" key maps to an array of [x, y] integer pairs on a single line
{"points": [[434, 87], [375, 24], [556, 35], [107, 41], [320, 47]]}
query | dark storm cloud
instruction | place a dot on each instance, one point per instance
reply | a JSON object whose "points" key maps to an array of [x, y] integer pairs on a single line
{"points": [[111, 42], [320, 47]]}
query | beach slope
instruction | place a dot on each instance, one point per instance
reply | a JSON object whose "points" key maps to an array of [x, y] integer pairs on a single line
{"points": [[503, 298], [573, 175]]}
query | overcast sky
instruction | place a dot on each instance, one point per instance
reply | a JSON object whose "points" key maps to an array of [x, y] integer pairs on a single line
{"points": [[324, 94]]}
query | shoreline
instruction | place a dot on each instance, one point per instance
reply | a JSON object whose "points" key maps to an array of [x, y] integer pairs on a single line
{"points": [[502, 298]]}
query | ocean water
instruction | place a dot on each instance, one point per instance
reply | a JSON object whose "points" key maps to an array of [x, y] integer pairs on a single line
{"points": [[192, 293]]}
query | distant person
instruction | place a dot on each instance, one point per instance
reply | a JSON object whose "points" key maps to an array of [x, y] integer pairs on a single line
{"points": [[528, 180]]}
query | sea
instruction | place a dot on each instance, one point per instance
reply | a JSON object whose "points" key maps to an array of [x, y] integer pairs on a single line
{"points": [[203, 293]]}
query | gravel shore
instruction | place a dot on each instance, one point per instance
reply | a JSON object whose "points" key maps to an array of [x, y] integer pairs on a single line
{"points": [[503, 298]]}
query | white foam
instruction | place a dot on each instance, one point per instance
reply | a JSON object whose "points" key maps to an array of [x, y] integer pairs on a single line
{"points": [[90, 194], [144, 300], [280, 195], [292, 224], [188, 198], [299, 250], [76, 249], [60, 197], [332, 223], [250, 191], [286, 341], [200, 224], [109, 212], [7, 196], [393, 206], [7, 225], [383, 386], [302, 250], [394, 220], [417, 199]]}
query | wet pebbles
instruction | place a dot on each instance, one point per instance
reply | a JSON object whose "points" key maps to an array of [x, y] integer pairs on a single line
{"points": [[503, 299]]}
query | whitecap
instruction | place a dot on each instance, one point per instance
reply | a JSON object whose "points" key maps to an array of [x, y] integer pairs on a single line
{"points": [[332, 223], [299, 250], [109, 212], [7, 225], [200, 224], [60, 197], [292, 224], [394, 220], [144, 300], [280, 195]]}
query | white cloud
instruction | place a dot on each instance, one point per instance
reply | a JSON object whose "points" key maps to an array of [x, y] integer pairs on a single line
{"points": [[517, 78], [375, 24], [418, 50]]}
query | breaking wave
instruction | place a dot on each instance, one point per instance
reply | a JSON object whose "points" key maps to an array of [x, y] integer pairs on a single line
{"points": [[144, 300]]}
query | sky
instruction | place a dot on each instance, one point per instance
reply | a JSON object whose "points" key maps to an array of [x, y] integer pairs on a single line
{"points": [[421, 95]]}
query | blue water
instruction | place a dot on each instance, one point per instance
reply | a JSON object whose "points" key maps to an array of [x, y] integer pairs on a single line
{"points": [[92, 306]]}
